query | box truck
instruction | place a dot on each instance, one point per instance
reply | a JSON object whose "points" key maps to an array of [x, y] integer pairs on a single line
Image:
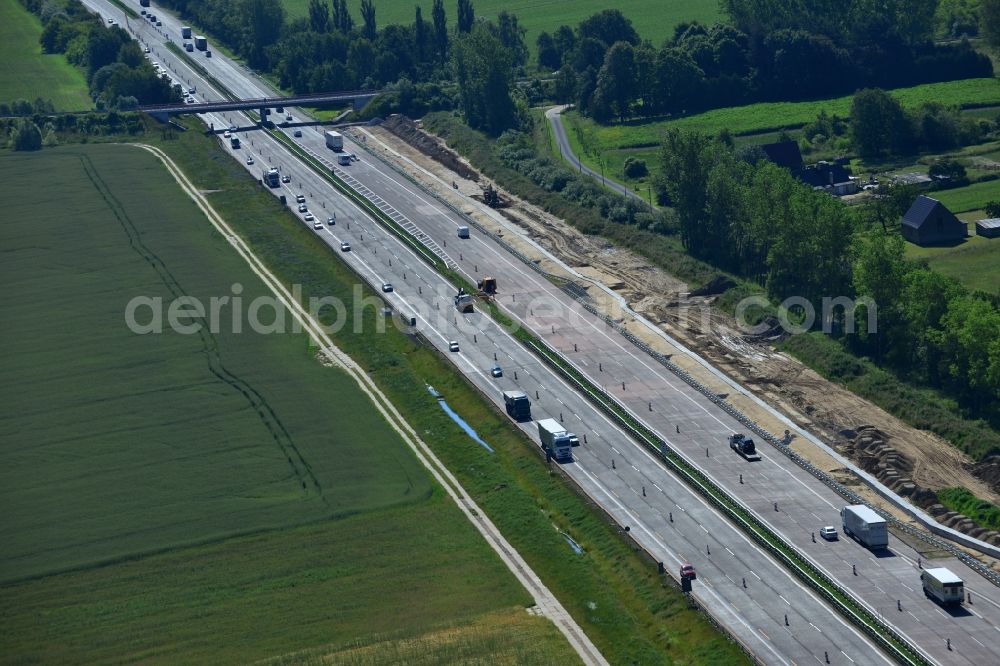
{"points": [[556, 440], [334, 140], [200, 43], [517, 405], [943, 586], [185, 32], [860, 522]]}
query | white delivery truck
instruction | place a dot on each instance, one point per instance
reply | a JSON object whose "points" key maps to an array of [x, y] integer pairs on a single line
{"points": [[334, 141], [942, 585], [860, 522], [555, 439], [463, 231]]}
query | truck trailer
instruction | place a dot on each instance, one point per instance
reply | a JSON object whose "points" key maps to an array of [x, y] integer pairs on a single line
{"points": [[860, 522], [200, 42], [744, 446], [556, 440], [185, 32], [272, 178], [334, 140], [943, 586], [517, 405]]}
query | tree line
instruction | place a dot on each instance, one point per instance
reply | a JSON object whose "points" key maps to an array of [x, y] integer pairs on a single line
{"points": [[772, 51], [118, 74], [752, 218]]}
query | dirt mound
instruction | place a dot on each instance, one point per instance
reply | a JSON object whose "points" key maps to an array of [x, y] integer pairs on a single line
{"points": [[410, 132]]}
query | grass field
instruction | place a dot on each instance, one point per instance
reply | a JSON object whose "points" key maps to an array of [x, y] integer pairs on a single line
{"points": [[970, 197], [770, 115], [27, 73], [975, 262], [653, 20]]}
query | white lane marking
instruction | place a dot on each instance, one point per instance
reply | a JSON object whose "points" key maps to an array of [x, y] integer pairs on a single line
{"points": [[703, 528], [784, 599], [755, 574], [847, 655]]}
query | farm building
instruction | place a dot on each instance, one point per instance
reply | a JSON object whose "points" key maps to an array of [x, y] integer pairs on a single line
{"points": [[988, 228], [929, 222], [832, 178]]}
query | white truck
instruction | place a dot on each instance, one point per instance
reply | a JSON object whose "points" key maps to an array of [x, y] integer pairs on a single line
{"points": [[556, 440], [943, 586], [200, 42], [860, 522], [334, 140], [185, 32]]}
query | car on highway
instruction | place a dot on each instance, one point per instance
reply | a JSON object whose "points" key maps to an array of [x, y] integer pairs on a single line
{"points": [[496, 371], [159, 24], [146, 50], [226, 134], [286, 178], [288, 118], [309, 218], [345, 247], [189, 100], [191, 90], [331, 220], [208, 54], [300, 198], [829, 533], [297, 134], [317, 225], [687, 571], [303, 208], [249, 159], [453, 346], [387, 287], [111, 21]]}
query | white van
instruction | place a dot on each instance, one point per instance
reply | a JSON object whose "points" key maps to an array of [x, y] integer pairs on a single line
{"points": [[463, 232]]}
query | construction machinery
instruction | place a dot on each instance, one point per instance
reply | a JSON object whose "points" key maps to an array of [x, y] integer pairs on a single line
{"points": [[487, 288]]}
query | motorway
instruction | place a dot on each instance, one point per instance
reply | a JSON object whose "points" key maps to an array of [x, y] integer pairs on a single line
{"points": [[741, 586]]}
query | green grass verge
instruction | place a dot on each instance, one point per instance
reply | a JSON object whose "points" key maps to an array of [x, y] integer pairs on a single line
{"points": [[653, 20], [125, 8], [387, 575], [614, 594], [766, 116], [922, 408], [975, 262], [970, 197], [27, 73], [961, 500], [188, 438]]}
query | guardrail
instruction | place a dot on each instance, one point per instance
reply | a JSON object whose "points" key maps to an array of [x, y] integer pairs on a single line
{"points": [[578, 293]]}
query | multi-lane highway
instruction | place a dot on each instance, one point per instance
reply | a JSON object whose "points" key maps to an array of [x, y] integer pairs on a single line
{"points": [[745, 589]]}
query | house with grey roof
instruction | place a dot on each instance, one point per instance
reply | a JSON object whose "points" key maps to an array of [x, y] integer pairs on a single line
{"points": [[928, 222]]}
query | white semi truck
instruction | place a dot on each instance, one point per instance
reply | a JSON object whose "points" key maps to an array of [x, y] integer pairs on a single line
{"points": [[556, 440], [334, 141], [860, 522], [943, 586]]}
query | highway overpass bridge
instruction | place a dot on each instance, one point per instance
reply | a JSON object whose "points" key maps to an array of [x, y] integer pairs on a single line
{"points": [[263, 105]]}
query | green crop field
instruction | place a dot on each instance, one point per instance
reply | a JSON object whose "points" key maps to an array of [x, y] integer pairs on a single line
{"points": [[220, 498], [27, 73], [653, 20]]}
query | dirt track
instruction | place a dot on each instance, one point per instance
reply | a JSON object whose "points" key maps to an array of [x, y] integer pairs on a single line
{"points": [[826, 409]]}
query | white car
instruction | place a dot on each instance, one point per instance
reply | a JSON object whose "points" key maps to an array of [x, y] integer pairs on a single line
{"points": [[829, 533], [345, 247], [496, 371], [303, 208], [311, 218], [286, 178], [249, 159], [317, 225], [453, 346], [191, 90], [146, 50], [300, 198], [226, 134], [111, 21]]}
